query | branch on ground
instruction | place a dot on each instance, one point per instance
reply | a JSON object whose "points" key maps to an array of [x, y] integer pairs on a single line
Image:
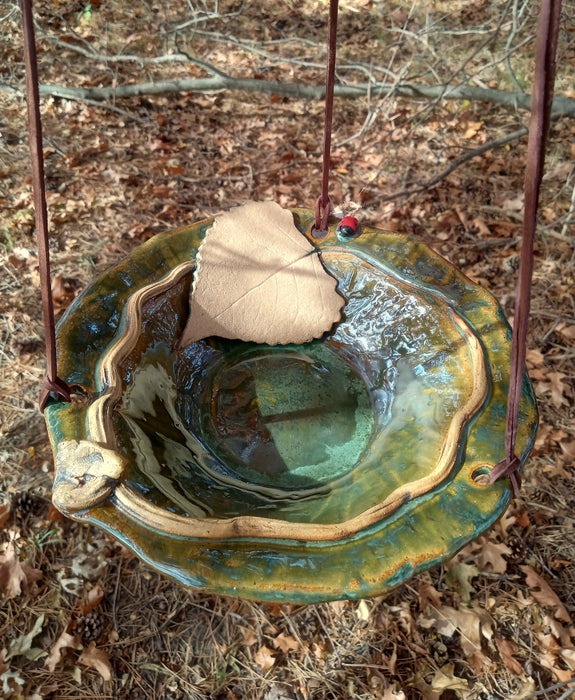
{"points": [[562, 106]]}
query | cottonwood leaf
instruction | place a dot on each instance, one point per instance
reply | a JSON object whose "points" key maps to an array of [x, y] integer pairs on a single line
{"points": [[97, 659], [258, 279]]}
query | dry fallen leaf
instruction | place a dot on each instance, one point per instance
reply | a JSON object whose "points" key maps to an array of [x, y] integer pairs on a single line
{"points": [[443, 679], [490, 555], [544, 594], [568, 449], [550, 661], [567, 331], [64, 641], [10, 682], [362, 611], [249, 637], [264, 658], [89, 565], [506, 649], [94, 598], [260, 280], [15, 575], [97, 659], [458, 578], [22, 646], [557, 388], [4, 511], [285, 643]]}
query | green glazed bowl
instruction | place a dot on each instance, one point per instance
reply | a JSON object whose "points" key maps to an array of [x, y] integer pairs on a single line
{"points": [[333, 469]]}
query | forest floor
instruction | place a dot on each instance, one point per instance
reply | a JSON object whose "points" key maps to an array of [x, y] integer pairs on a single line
{"points": [[80, 616]]}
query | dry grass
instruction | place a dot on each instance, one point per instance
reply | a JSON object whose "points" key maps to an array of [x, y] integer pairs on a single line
{"points": [[114, 181]]}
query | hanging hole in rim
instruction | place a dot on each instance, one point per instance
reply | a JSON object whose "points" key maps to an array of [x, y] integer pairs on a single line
{"points": [[480, 475], [318, 235], [79, 394]]}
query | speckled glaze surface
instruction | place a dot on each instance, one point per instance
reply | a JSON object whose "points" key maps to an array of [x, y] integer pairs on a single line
{"points": [[334, 469]]}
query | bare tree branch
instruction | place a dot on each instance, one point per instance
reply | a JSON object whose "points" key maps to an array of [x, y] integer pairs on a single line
{"points": [[562, 106], [469, 155]]}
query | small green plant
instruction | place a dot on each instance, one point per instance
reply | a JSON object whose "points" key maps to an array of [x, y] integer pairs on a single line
{"points": [[85, 15]]}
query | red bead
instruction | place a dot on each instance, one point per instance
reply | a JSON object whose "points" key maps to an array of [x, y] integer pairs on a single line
{"points": [[348, 226]]}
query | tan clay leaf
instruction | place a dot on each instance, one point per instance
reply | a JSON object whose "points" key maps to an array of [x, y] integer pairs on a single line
{"points": [[260, 280]]}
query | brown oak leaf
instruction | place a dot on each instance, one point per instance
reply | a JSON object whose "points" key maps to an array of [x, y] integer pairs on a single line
{"points": [[264, 658], [97, 659], [285, 643], [16, 575], [489, 555], [544, 594], [507, 649], [64, 641]]}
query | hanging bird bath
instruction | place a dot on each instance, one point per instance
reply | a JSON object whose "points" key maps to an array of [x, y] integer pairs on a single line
{"points": [[335, 468]]}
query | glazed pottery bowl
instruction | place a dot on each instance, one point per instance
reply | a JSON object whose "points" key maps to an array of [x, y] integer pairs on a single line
{"points": [[333, 469]]}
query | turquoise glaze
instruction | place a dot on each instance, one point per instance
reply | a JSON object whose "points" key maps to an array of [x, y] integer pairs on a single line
{"points": [[333, 469]]}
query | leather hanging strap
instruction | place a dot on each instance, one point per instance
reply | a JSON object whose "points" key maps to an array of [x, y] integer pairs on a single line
{"points": [[323, 204], [541, 101], [53, 385]]}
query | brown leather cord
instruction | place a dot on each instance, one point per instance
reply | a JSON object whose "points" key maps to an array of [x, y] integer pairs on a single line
{"points": [[541, 100], [53, 385], [323, 204]]}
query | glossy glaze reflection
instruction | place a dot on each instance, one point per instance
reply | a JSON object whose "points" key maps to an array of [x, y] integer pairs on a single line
{"points": [[247, 469]]}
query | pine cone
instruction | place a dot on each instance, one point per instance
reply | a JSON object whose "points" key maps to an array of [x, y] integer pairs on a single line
{"points": [[439, 651], [89, 627], [24, 504]]}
